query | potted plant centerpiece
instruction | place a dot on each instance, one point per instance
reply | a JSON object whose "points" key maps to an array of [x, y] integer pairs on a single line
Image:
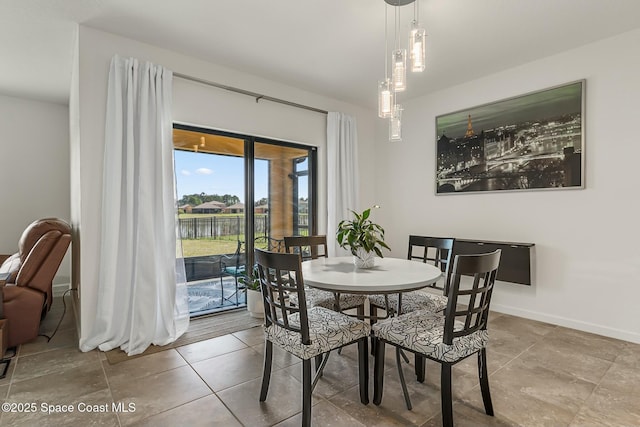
{"points": [[363, 237], [255, 305]]}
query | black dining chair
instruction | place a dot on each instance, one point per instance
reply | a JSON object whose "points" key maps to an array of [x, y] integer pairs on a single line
{"points": [[313, 247], [269, 243], [445, 337], [435, 250], [304, 332]]}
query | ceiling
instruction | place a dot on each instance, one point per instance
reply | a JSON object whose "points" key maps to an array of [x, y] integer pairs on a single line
{"points": [[188, 140], [330, 47]]}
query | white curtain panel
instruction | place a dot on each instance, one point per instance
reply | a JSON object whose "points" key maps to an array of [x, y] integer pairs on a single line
{"points": [[142, 296], [342, 175]]}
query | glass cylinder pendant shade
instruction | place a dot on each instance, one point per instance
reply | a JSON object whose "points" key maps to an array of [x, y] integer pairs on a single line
{"points": [[385, 99], [417, 41], [395, 124], [399, 67]]}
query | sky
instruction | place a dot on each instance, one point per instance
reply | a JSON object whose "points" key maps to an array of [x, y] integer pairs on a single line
{"points": [[215, 174], [530, 107]]}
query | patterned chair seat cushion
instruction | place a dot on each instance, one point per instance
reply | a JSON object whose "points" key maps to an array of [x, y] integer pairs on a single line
{"points": [[412, 301], [234, 271], [320, 298], [422, 332], [328, 330]]}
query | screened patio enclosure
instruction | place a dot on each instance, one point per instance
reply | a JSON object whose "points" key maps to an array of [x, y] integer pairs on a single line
{"points": [[237, 189]]}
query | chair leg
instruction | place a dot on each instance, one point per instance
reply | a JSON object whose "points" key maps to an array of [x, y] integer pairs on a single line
{"points": [[222, 298], [319, 369], [266, 372], [403, 383], [446, 396], [378, 371], [373, 312], [236, 277], [306, 393], [484, 381], [363, 369], [318, 360], [421, 365], [373, 345], [360, 312]]}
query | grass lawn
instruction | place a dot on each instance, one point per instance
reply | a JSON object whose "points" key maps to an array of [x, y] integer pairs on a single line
{"points": [[202, 247], [220, 245]]}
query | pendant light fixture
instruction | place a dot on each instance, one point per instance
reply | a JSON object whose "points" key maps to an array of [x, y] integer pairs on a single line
{"points": [[385, 98], [385, 90], [395, 124], [389, 88], [417, 41], [398, 58]]}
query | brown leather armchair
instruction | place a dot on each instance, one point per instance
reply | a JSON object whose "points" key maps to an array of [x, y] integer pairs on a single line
{"points": [[27, 293]]}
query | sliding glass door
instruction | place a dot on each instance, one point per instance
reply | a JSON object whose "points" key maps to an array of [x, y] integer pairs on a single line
{"points": [[236, 193]]}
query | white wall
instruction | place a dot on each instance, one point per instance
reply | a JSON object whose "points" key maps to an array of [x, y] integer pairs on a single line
{"points": [[194, 104], [34, 151], [588, 257]]}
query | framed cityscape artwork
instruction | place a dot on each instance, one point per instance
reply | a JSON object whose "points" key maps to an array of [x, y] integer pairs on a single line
{"points": [[529, 142]]}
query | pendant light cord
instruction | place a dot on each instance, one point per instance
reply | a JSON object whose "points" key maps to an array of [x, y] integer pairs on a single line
{"points": [[397, 29], [386, 47]]}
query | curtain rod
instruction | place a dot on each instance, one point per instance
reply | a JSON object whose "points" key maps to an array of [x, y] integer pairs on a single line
{"points": [[255, 95]]}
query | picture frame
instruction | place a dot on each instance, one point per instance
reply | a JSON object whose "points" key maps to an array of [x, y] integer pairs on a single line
{"points": [[533, 141]]}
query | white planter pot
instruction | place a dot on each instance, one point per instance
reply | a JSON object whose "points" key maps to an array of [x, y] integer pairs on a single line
{"points": [[364, 259], [255, 305]]}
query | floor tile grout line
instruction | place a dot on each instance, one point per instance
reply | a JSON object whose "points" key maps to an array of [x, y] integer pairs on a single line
{"points": [[151, 374], [584, 403], [13, 371], [542, 337], [528, 349], [14, 381], [163, 372], [106, 378], [213, 392], [320, 400], [217, 355], [168, 409], [509, 360]]}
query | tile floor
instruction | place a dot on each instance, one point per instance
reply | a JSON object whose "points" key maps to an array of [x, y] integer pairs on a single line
{"points": [[540, 375]]}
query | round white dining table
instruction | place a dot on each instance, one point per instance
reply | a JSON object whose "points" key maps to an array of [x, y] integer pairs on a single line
{"points": [[389, 275]]}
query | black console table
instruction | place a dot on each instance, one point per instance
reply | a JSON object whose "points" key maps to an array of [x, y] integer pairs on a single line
{"points": [[515, 261]]}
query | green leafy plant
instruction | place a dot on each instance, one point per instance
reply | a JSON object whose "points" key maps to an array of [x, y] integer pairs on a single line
{"points": [[361, 232], [251, 281]]}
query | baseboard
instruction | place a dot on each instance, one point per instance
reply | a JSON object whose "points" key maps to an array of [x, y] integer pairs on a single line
{"points": [[620, 334]]}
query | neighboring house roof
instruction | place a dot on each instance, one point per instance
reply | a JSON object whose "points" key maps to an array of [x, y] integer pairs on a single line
{"points": [[236, 206], [211, 205]]}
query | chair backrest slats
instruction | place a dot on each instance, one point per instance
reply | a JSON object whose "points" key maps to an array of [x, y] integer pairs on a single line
{"points": [[436, 250], [280, 274], [442, 250], [483, 268], [309, 247]]}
